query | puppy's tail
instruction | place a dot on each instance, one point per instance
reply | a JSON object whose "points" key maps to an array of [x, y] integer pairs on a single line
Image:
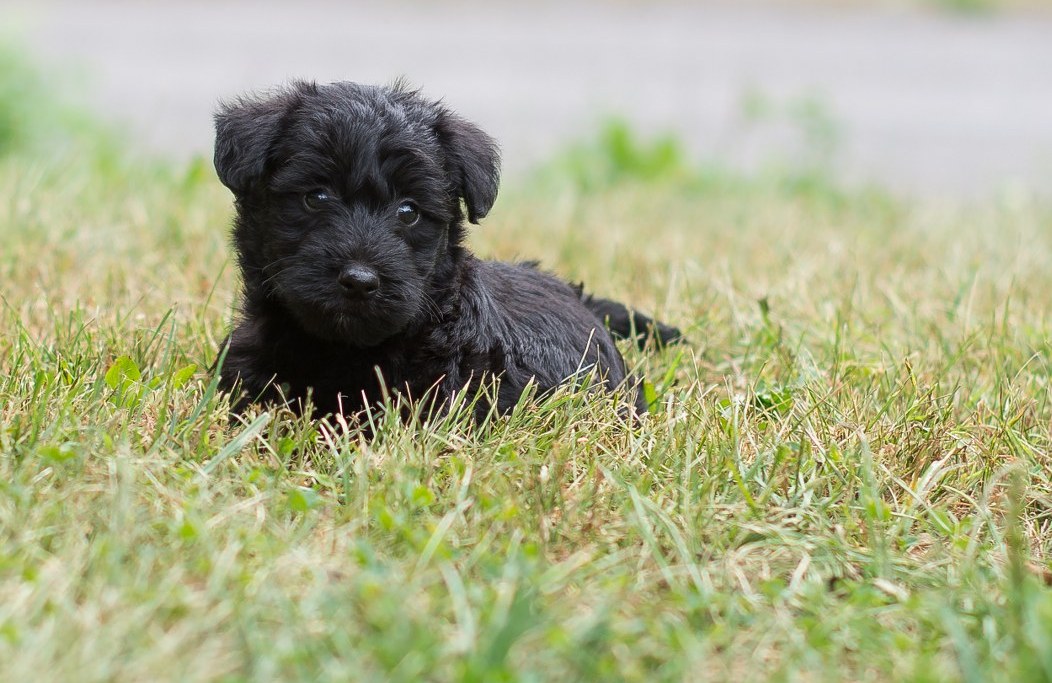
{"points": [[626, 323]]}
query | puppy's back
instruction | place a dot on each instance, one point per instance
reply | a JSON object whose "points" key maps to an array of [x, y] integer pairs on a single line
{"points": [[540, 326]]}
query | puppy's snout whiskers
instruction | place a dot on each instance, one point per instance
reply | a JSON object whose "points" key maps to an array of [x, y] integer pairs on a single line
{"points": [[268, 279], [283, 259], [432, 308]]}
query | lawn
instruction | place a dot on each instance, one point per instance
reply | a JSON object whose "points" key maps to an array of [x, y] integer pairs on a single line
{"points": [[845, 476]]}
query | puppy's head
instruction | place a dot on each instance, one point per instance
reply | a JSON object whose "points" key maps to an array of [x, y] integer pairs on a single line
{"points": [[349, 202]]}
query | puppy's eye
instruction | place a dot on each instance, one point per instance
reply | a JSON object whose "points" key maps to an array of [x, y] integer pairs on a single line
{"points": [[317, 199], [407, 213]]}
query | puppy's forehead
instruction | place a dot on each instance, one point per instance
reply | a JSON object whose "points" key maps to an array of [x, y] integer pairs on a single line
{"points": [[363, 139], [357, 128]]}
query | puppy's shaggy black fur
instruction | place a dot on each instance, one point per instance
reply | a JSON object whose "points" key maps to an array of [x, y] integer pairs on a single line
{"points": [[348, 234]]}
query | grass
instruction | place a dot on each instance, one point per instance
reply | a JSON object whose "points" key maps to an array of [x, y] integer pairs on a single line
{"points": [[846, 476]]}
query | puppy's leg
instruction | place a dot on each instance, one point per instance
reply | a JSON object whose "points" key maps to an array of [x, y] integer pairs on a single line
{"points": [[239, 377], [625, 323]]}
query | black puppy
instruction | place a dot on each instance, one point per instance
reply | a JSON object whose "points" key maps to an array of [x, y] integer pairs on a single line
{"points": [[348, 234]]}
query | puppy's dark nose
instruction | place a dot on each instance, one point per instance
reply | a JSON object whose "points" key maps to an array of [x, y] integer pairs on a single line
{"points": [[359, 281]]}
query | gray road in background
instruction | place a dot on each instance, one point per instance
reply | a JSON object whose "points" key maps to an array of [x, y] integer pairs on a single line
{"points": [[927, 104]]}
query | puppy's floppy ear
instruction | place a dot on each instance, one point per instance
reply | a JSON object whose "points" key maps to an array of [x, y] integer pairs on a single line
{"points": [[245, 130], [474, 162]]}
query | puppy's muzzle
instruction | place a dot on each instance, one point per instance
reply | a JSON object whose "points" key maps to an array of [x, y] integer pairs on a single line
{"points": [[359, 281]]}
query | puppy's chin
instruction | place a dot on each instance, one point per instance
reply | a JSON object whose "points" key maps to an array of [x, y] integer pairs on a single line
{"points": [[359, 326]]}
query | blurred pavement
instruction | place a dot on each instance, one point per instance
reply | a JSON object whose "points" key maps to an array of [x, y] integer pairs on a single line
{"points": [[927, 104]]}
